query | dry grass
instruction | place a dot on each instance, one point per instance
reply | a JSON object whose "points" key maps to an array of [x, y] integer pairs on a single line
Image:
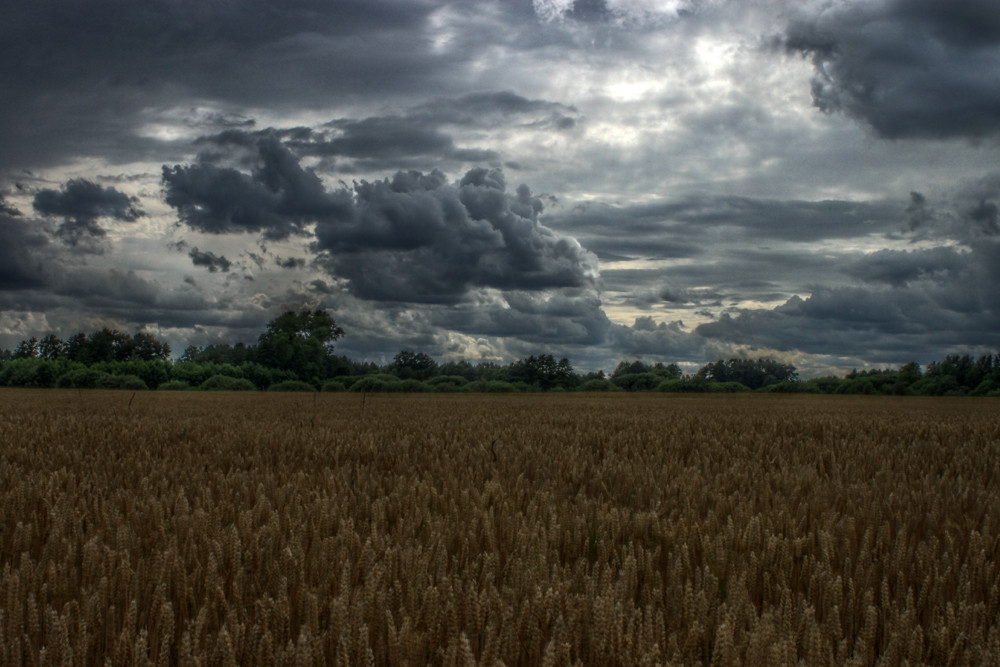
{"points": [[460, 530]]}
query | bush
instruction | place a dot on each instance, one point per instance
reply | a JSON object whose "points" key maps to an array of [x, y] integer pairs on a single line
{"points": [[29, 373], [448, 387], [227, 383], [174, 385], [787, 387], [292, 385], [131, 382], [493, 387], [333, 385], [596, 385], [409, 386], [451, 380], [81, 378], [369, 383], [727, 387], [638, 381]]}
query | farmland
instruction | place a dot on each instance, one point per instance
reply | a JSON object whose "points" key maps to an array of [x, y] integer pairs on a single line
{"points": [[221, 529]]}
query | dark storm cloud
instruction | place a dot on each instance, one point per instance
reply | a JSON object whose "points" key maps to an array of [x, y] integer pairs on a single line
{"points": [[907, 68], [901, 267], [417, 238], [20, 265], [80, 203], [937, 301], [278, 198], [104, 63], [684, 228], [568, 318], [209, 260], [83, 200]]}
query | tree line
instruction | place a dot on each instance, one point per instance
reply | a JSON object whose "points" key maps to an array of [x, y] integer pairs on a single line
{"points": [[296, 353]]}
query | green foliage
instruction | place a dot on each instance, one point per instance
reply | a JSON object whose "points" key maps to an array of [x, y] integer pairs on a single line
{"points": [[370, 383], [646, 381], [408, 365], [31, 372], [456, 380], [597, 385], [753, 373], [542, 372], [81, 378], [333, 386], [788, 387], [493, 387], [174, 385], [132, 382], [301, 343], [227, 383], [291, 385], [196, 374]]}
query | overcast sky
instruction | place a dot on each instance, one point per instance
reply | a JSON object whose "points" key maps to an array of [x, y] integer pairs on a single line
{"points": [[670, 180]]}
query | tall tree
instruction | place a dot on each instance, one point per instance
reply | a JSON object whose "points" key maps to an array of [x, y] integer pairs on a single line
{"points": [[300, 342]]}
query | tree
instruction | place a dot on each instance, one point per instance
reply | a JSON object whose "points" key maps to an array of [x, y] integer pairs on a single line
{"points": [[27, 349], [77, 348], [412, 365], [753, 373], [542, 371], [51, 347], [300, 342], [145, 347]]}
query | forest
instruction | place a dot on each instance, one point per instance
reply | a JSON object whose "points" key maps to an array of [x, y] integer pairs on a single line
{"points": [[296, 353]]}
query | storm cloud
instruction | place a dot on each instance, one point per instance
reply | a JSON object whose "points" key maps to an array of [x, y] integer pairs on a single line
{"points": [[418, 238], [278, 198], [907, 68]]}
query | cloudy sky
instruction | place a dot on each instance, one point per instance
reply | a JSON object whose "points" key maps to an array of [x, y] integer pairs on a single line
{"points": [[671, 180]]}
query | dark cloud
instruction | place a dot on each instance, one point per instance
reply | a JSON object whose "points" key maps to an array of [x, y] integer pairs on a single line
{"points": [[683, 228], [902, 267], [277, 199], [568, 318], [80, 203], [417, 238], [935, 302], [209, 260], [104, 63], [20, 265], [83, 200], [907, 68]]}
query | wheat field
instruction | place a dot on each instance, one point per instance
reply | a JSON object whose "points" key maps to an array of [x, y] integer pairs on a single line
{"points": [[207, 529]]}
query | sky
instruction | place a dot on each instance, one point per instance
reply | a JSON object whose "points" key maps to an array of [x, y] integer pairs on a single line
{"points": [[668, 180]]}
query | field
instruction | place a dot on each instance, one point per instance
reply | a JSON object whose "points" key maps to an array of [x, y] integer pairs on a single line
{"points": [[191, 528]]}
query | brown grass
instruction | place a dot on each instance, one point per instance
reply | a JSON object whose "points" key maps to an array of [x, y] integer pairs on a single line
{"points": [[470, 530]]}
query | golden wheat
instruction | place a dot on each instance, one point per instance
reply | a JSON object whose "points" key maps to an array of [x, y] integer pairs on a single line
{"points": [[194, 529]]}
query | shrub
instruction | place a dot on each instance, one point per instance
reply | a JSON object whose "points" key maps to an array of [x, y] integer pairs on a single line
{"points": [[292, 385], [596, 385], [81, 378], [333, 385], [454, 380], [29, 373], [369, 383], [409, 386], [227, 383], [499, 387], [174, 385], [130, 382]]}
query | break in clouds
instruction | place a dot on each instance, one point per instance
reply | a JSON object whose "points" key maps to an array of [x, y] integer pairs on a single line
{"points": [[674, 181]]}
